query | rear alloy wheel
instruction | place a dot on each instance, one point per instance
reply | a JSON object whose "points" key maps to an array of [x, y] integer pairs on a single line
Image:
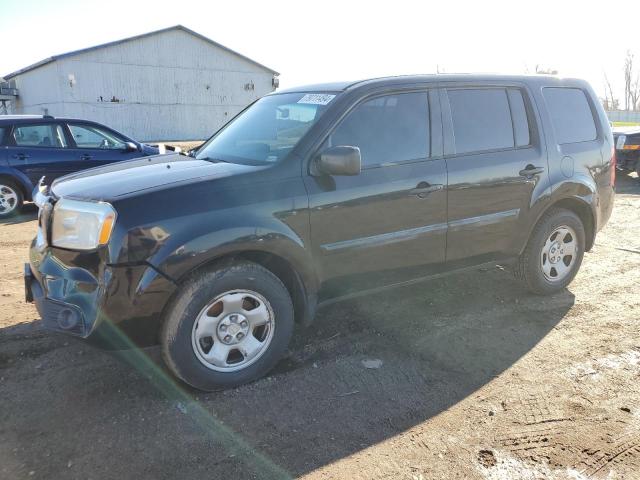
{"points": [[10, 199], [227, 326], [553, 254], [558, 254]]}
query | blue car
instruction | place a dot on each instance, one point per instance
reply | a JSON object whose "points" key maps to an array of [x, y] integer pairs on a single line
{"points": [[36, 146]]}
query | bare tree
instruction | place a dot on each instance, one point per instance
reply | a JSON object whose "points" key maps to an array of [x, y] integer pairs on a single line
{"points": [[634, 94], [631, 84], [545, 71], [610, 101]]}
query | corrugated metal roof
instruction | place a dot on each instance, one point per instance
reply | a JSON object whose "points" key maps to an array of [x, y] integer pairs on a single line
{"points": [[117, 42]]}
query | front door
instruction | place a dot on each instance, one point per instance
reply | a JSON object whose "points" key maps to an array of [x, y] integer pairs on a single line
{"points": [[388, 223], [38, 150], [497, 164]]}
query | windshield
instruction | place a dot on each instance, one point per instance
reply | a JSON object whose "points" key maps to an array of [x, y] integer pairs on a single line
{"points": [[268, 130]]}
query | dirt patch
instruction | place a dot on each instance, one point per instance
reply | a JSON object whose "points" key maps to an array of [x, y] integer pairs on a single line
{"points": [[473, 378], [486, 458]]}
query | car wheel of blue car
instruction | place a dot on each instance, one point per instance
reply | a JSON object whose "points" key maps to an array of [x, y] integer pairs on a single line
{"points": [[10, 198]]}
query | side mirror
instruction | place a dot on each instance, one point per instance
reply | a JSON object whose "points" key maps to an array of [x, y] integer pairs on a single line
{"points": [[339, 160], [130, 147]]}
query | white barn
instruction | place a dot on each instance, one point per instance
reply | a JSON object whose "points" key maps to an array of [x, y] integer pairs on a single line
{"points": [[170, 84]]}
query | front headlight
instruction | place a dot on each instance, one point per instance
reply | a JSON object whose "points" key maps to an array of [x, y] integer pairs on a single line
{"points": [[81, 225]]}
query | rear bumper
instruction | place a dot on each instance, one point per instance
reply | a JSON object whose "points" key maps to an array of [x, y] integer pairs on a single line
{"points": [[111, 306]]}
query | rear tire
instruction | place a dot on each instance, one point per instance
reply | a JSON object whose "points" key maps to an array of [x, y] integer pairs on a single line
{"points": [[227, 326], [11, 198], [553, 254]]}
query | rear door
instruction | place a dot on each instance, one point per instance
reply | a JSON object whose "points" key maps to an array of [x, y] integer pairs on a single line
{"points": [[497, 165], [94, 146], [388, 223], [39, 149]]}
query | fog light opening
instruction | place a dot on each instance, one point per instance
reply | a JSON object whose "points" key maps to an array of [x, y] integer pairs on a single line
{"points": [[67, 319]]}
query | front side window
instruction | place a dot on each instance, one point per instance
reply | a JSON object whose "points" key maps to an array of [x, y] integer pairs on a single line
{"points": [[88, 136], [571, 114], [46, 135], [268, 130], [392, 128], [481, 119]]}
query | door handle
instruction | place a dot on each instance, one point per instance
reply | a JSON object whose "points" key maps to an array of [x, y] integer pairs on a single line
{"points": [[529, 171], [21, 156], [85, 156], [423, 189]]}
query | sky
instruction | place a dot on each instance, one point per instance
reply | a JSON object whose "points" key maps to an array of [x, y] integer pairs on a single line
{"points": [[318, 41]]}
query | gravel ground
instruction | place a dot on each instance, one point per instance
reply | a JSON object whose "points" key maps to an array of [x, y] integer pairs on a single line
{"points": [[463, 377]]}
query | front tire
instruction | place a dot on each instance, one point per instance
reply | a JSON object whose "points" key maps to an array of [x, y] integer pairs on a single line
{"points": [[227, 326], [11, 199], [553, 254]]}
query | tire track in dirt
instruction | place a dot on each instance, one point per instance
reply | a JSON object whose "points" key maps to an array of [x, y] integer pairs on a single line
{"points": [[622, 457]]}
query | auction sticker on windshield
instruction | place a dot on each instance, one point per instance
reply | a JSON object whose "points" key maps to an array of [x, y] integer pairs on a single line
{"points": [[316, 98]]}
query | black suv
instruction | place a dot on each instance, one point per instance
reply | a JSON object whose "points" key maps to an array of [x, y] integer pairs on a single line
{"points": [[319, 193], [36, 146]]}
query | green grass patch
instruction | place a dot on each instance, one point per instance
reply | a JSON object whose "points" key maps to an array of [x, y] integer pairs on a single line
{"points": [[625, 124]]}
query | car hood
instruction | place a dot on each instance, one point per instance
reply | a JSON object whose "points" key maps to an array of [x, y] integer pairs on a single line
{"points": [[124, 178]]}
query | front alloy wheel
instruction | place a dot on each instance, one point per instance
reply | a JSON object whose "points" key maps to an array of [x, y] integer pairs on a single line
{"points": [[233, 331], [227, 326]]}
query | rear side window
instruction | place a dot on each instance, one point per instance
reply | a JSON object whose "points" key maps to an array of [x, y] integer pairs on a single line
{"points": [[481, 119], [392, 128], [570, 114], [46, 135]]}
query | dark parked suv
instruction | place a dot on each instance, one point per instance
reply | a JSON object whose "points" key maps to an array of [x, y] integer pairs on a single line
{"points": [[36, 146], [627, 142], [320, 193]]}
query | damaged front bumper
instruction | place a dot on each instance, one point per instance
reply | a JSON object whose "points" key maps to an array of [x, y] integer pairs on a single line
{"points": [[112, 306]]}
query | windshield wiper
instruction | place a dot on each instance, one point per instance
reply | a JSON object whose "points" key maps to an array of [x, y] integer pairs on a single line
{"points": [[212, 160]]}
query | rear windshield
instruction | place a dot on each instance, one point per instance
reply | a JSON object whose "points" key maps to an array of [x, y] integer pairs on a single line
{"points": [[570, 114], [268, 130]]}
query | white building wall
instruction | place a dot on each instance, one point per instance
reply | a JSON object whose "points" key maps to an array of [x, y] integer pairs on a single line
{"points": [[170, 86], [39, 91]]}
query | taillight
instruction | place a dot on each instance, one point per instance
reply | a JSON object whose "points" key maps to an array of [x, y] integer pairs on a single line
{"points": [[613, 167]]}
